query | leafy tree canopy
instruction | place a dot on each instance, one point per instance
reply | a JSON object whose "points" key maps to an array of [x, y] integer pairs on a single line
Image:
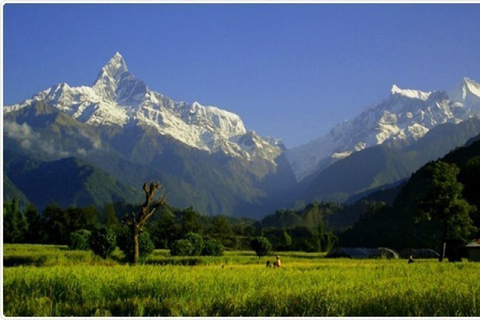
{"points": [[261, 246]]}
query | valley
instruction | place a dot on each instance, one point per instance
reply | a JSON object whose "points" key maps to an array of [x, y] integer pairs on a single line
{"points": [[240, 159]]}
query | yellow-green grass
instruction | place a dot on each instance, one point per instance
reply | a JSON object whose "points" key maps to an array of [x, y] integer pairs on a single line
{"points": [[50, 255], [306, 285]]}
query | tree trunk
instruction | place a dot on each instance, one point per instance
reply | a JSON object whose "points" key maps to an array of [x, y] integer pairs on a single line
{"points": [[444, 242], [136, 223], [442, 254], [136, 251]]}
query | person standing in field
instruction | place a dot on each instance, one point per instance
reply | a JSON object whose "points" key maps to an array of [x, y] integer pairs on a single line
{"points": [[410, 260], [278, 263]]}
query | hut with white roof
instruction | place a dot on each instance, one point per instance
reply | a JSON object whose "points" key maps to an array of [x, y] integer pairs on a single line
{"points": [[473, 249]]}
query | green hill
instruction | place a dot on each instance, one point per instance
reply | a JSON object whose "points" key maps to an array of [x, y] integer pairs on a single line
{"points": [[68, 182], [10, 192]]}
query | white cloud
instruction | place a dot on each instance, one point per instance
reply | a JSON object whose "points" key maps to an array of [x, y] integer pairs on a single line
{"points": [[23, 133], [96, 143], [29, 139]]}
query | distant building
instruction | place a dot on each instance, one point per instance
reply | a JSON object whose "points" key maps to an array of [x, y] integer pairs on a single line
{"points": [[362, 253], [473, 249], [422, 253]]}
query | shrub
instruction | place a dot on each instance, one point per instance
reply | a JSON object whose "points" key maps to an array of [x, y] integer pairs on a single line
{"points": [[181, 247], [197, 243], [80, 240], [213, 248], [125, 243], [103, 242], [261, 246]]}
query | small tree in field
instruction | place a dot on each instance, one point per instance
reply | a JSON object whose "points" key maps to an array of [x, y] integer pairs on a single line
{"points": [[80, 240], [103, 241], [136, 223], [181, 247], [125, 243], [261, 246], [213, 248], [197, 242]]}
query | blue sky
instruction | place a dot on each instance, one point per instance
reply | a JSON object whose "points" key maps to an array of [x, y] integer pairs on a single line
{"points": [[290, 71]]}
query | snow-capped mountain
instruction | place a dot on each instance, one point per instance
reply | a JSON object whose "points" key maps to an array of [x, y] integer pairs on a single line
{"points": [[404, 117], [121, 129], [118, 98]]}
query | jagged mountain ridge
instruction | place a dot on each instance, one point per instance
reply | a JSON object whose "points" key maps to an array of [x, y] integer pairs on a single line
{"points": [[118, 99], [404, 117]]}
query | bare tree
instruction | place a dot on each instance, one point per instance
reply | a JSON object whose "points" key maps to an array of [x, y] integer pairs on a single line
{"points": [[136, 223]]}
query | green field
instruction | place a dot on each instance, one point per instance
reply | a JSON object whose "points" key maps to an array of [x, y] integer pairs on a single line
{"points": [[54, 281]]}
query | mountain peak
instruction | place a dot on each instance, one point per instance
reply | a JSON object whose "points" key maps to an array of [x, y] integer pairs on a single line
{"points": [[115, 67], [110, 75], [415, 94], [467, 91], [467, 80], [472, 86]]}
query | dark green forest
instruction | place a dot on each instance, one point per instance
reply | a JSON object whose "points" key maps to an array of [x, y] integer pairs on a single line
{"points": [[402, 224]]}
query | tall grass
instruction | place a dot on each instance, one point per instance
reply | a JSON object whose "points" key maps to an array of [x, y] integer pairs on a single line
{"points": [[51, 255], [305, 286]]}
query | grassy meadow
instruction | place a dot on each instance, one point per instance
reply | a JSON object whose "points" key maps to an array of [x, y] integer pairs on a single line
{"points": [[41, 280]]}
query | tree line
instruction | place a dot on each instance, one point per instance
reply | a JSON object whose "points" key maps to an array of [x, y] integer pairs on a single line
{"points": [[169, 228]]}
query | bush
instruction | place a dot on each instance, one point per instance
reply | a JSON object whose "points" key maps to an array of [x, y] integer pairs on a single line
{"points": [[80, 240], [197, 242], [213, 248], [103, 242], [125, 243], [261, 246], [181, 247]]}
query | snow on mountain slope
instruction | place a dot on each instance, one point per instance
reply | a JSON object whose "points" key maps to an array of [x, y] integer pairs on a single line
{"points": [[468, 93], [415, 94], [402, 118], [117, 98]]}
